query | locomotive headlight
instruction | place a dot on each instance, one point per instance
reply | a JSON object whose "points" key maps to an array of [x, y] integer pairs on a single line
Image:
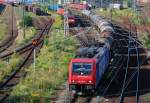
{"points": [[90, 81], [73, 81]]}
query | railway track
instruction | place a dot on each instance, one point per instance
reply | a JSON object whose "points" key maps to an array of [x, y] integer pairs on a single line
{"points": [[85, 34], [12, 29], [14, 77], [4, 46], [94, 98], [128, 90], [118, 64], [28, 46], [128, 67]]}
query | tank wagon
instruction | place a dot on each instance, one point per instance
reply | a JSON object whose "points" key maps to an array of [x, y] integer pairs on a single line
{"points": [[101, 23], [90, 63]]}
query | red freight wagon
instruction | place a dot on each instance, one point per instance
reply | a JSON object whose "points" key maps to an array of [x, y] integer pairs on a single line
{"points": [[60, 11], [78, 6], [1, 1], [71, 20]]}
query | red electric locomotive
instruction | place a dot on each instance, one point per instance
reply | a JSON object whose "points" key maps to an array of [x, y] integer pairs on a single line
{"points": [[87, 69], [71, 20]]}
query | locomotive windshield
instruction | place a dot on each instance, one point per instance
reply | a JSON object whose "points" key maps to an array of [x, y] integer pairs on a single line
{"points": [[82, 68]]}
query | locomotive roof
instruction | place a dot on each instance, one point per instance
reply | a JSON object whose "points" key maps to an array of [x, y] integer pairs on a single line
{"points": [[90, 52]]}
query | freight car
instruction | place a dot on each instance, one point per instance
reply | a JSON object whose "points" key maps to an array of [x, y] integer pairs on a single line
{"points": [[78, 6], [60, 10], [71, 20], [90, 63], [1, 1], [35, 10], [100, 23], [54, 7]]}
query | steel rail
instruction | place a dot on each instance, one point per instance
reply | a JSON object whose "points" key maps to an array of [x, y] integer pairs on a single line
{"points": [[8, 41], [115, 75], [29, 45]]}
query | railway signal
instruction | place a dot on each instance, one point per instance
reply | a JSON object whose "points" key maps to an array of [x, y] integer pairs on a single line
{"points": [[34, 43]]}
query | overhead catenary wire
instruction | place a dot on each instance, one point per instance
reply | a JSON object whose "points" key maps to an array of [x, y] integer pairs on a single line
{"points": [[123, 87], [116, 73], [127, 81], [138, 68]]}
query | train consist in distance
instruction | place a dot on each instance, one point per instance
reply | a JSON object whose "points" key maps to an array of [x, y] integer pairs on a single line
{"points": [[79, 6], [90, 63], [36, 10]]}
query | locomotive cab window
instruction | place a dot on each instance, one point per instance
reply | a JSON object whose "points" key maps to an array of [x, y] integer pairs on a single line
{"points": [[82, 68]]}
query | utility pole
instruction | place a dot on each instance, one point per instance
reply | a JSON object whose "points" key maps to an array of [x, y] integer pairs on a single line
{"points": [[66, 26], [23, 17], [134, 5], [12, 19], [111, 9], [101, 3]]}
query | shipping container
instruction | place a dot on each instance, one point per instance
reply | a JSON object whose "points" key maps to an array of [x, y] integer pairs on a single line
{"points": [[2, 7], [2, 1], [60, 11], [54, 7]]}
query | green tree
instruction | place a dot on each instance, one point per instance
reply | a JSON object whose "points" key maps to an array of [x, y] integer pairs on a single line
{"points": [[146, 41], [26, 21]]}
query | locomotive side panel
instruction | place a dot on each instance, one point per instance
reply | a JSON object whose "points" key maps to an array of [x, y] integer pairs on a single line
{"points": [[102, 65]]}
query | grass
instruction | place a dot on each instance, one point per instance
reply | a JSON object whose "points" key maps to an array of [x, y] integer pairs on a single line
{"points": [[118, 14], [7, 67], [146, 97], [3, 27], [30, 32], [146, 41], [50, 71]]}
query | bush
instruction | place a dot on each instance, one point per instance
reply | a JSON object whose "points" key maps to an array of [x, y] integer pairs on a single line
{"points": [[26, 21], [7, 67], [146, 41]]}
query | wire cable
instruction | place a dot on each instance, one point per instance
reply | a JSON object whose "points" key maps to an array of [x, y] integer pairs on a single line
{"points": [[121, 97]]}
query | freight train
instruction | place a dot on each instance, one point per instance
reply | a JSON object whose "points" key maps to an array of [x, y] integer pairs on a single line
{"points": [[71, 20], [79, 6], [60, 10], [90, 63], [36, 10]]}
